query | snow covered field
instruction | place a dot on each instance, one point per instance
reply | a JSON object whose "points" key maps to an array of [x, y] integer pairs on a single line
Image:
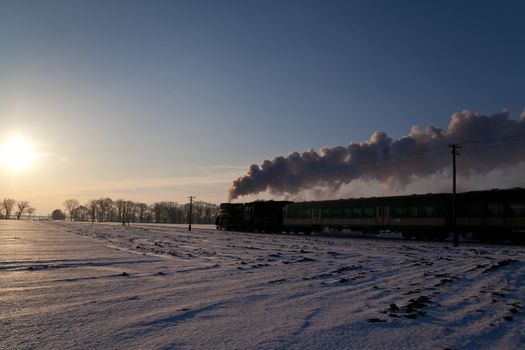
{"points": [[77, 285]]}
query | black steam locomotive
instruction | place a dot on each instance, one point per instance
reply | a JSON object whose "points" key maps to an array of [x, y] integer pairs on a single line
{"points": [[492, 215]]}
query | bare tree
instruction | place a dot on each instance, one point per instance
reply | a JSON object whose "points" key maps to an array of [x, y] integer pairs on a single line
{"points": [[128, 213], [82, 213], [159, 211], [7, 206], [104, 208], [71, 205], [92, 206], [119, 206], [22, 206], [150, 213], [30, 211], [125, 211], [142, 211]]}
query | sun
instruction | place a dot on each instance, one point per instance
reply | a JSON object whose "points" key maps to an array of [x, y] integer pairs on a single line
{"points": [[17, 153]]}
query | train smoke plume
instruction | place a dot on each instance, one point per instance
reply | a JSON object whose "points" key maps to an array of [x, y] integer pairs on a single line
{"points": [[489, 142]]}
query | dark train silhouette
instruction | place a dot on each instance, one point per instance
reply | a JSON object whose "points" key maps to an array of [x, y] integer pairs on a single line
{"points": [[493, 215]]}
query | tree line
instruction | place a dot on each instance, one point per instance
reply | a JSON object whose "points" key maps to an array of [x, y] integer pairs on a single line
{"points": [[10, 208], [126, 211]]}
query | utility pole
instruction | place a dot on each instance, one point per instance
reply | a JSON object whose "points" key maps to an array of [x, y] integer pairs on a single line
{"points": [[454, 150], [189, 214]]}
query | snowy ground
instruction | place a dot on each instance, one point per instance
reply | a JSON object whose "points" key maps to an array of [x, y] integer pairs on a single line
{"points": [[73, 285]]}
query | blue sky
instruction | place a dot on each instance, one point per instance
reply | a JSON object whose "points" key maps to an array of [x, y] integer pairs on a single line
{"points": [[121, 97]]}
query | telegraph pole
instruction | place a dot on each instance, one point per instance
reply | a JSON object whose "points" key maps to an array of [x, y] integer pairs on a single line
{"points": [[454, 150], [189, 214]]}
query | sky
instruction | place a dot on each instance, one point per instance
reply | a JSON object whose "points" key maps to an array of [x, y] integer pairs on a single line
{"points": [[159, 100]]}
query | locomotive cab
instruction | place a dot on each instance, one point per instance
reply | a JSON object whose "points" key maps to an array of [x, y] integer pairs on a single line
{"points": [[230, 216]]}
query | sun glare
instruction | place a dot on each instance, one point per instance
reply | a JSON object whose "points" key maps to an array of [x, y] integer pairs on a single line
{"points": [[17, 154]]}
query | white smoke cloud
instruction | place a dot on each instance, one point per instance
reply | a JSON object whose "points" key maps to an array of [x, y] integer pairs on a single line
{"points": [[488, 143]]}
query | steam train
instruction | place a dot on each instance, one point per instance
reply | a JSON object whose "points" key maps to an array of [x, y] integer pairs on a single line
{"points": [[492, 215]]}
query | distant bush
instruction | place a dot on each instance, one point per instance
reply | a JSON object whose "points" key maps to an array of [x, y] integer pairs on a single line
{"points": [[58, 214]]}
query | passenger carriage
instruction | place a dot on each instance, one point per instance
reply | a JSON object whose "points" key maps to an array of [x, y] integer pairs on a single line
{"points": [[486, 215]]}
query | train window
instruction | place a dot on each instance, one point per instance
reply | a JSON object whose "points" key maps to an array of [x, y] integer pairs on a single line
{"points": [[517, 208], [331, 213], [412, 211], [347, 213], [495, 209], [357, 212], [426, 211], [370, 212], [298, 213], [398, 212]]}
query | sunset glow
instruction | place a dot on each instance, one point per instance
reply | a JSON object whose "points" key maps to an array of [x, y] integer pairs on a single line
{"points": [[17, 154]]}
